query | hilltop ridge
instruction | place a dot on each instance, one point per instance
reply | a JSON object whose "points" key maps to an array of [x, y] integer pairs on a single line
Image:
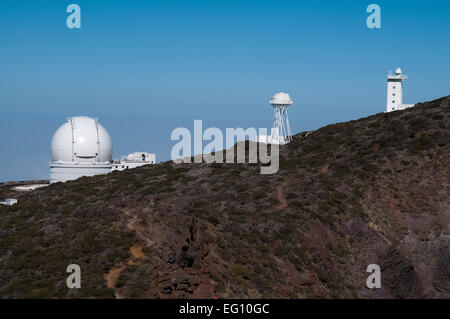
{"points": [[370, 191]]}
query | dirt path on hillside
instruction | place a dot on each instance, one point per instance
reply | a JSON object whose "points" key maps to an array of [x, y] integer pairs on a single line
{"points": [[281, 197], [133, 225], [136, 252], [112, 277]]}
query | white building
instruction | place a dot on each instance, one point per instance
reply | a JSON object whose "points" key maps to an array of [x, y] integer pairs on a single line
{"points": [[395, 92], [9, 202], [27, 188], [273, 138], [82, 147], [134, 160]]}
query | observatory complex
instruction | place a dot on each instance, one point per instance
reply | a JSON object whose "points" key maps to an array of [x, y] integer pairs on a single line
{"points": [[281, 130], [82, 147], [395, 92]]}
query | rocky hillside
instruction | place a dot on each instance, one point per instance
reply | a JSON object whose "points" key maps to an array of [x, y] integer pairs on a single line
{"points": [[371, 191]]}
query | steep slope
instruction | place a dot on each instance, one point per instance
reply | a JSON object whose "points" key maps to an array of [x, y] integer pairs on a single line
{"points": [[371, 191]]}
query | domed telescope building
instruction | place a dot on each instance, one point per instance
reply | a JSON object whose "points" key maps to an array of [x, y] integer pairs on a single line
{"points": [[80, 147]]}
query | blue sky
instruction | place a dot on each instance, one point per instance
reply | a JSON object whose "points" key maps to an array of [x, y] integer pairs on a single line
{"points": [[146, 67]]}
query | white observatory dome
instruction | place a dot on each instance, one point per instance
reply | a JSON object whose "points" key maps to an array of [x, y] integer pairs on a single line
{"points": [[281, 99], [81, 140], [80, 147]]}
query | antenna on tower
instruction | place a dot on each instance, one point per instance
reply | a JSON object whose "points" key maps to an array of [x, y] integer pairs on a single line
{"points": [[281, 132]]}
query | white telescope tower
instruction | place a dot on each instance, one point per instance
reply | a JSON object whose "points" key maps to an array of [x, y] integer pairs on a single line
{"points": [[395, 92], [281, 132]]}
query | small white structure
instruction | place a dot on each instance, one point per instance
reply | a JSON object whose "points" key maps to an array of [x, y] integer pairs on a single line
{"points": [[134, 160], [281, 131], [27, 188], [395, 92], [9, 202], [80, 147]]}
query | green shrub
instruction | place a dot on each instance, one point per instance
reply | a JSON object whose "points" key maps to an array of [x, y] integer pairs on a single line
{"points": [[240, 271]]}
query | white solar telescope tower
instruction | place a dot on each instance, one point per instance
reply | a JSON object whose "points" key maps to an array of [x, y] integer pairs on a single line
{"points": [[395, 92], [281, 102]]}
